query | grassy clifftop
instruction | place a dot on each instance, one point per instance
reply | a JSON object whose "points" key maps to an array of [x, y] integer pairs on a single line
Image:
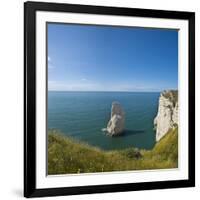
{"points": [[172, 95], [66, 155]]}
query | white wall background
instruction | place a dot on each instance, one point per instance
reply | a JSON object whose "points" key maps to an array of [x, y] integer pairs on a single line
{"points": [[11, 99]]}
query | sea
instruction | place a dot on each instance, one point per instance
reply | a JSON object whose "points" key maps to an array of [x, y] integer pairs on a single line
{"points": [[83, 115]]}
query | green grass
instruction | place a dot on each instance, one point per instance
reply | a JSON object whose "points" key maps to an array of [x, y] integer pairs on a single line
{"points": [[66, 155]]}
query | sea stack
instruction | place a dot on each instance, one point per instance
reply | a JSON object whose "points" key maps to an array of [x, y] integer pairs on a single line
{"points": [[116, 124], [167, 116]]}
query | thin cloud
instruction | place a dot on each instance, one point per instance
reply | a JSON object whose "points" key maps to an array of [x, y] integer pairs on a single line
{"points": [[71, 86], [50, 66]]}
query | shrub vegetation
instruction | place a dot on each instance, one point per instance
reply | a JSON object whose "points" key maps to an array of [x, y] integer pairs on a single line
{"points": [[67, 155]]}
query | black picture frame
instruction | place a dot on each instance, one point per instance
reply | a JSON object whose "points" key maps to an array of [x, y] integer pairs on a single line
{"points": [[30, 9]]}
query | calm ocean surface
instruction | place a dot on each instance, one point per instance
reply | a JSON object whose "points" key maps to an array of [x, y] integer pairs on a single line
{"points": [[83, 115]]}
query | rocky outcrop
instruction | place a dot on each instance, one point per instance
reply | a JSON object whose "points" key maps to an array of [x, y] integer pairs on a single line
{"points": [[167, 116], [116, 124]]}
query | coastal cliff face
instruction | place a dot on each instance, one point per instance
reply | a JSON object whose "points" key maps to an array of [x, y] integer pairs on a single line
{"points": [[167, 116]]}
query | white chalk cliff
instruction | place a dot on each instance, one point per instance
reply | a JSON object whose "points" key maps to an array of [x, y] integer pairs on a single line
{"points": [[116, 124], [167, 116]]}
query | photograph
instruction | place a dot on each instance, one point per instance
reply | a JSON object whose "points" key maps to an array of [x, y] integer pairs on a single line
{"points": [[109, 98], [112, 98]]}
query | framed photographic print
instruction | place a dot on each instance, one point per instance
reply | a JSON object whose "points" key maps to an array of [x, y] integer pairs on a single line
{"points": [[109, 97]]}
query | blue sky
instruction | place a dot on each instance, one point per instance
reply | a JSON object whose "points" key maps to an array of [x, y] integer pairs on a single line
{"points": [[105, 58]]}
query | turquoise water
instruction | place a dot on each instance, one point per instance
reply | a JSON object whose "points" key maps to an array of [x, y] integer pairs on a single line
{"points": [[82, 115]]}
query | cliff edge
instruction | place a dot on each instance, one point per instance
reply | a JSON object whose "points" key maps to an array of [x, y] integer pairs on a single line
{"points": [[167, 116]]}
